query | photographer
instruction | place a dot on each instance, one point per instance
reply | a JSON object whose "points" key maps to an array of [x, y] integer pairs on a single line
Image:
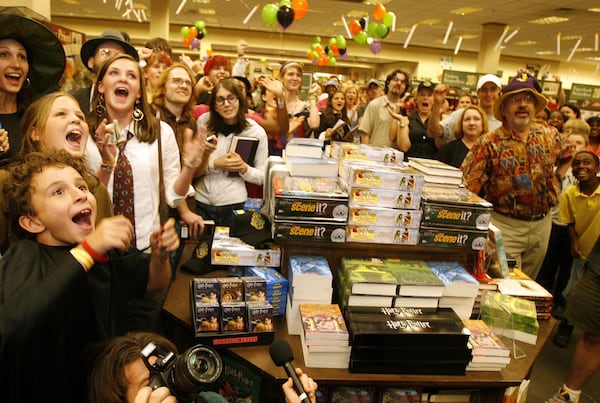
{"points": [[120, 375]]}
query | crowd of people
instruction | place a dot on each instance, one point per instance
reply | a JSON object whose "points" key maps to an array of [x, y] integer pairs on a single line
{"points": [[95, 182]]}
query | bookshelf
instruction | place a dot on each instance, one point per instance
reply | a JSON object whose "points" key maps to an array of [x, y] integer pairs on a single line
{"points": [[490, 386]]}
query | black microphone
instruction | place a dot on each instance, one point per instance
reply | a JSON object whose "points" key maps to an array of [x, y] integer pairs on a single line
{"points": [[282, 356]]}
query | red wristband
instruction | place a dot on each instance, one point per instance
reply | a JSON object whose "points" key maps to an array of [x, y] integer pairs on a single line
{"points": [[95, 255]]}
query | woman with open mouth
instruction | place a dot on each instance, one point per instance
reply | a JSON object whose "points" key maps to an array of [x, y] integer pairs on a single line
{"points": [[32, 61]]}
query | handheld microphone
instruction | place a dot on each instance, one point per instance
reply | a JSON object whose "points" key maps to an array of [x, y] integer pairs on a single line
{"points": [[282, 356]]}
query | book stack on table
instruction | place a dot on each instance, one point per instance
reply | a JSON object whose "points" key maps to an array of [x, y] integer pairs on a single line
{"points": [[306, 157], [437, 173], [324, 336], [528, 289], [489, 352], [460, 287], [310, 282], [407, 341]]}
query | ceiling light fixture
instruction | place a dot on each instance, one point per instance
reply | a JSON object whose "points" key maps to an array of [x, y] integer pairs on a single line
{"points": [[250, 14], [450, 25], [558, 43], [180, 7], [512, 35], [596, 41], [574, 49], [458, 43], [348, 34], [506, 28], [410, 34]]}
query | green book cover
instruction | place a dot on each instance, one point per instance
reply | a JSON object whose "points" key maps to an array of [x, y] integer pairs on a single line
{"points": [[415, 278], [509, 312], [368, 276]]}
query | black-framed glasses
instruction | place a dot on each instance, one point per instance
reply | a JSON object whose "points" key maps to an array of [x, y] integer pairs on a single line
{"points": [[231, 99], [528, 98], [180, 81]]}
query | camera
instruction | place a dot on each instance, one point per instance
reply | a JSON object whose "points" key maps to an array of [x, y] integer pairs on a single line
{"points": [[185, 374]]}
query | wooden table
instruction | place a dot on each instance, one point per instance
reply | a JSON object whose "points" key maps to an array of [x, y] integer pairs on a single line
{"points": [[490, 384]]}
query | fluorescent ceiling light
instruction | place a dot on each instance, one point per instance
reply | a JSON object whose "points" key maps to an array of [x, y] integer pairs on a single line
{"points": [[549, 20]]}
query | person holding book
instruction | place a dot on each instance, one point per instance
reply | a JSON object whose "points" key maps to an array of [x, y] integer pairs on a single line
{"points": [[473, 125], [66, 283], [580, 210], [583, 309], [221, 189], [334, 118], [513, 167]]}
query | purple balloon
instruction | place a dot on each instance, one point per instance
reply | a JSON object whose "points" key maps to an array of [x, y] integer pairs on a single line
{"points": [[195, 43], [375, 47]]}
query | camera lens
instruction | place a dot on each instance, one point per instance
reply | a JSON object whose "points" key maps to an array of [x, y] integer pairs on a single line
{"points": [[197, 367]]}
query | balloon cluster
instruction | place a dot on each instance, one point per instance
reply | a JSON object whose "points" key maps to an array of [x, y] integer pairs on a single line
{"points": [[191, 35], [285, 13], [364, 32], [327, 56]]}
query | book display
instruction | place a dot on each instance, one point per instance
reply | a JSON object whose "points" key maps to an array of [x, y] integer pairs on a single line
{"points": [[437, 173], [489, 352]]}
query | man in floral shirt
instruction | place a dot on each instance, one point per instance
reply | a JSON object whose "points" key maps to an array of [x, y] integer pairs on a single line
{"points": [[513, 167]]}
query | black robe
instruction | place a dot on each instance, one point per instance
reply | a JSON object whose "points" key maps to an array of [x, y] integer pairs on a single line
{"points": [[51, 310]]}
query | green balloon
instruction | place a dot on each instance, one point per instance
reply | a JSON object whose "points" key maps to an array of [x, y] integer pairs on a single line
{"points": [[388, 19], [341, 41], [382, 30], [332, 41], [361, 37], [285, 3], [185, 31], [372, 29], [332, 61], [269, 13], [200, 25], [317, 39]]}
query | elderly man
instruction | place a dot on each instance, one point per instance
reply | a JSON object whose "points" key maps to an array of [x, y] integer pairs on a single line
{"points": [[513, 167], [375, 126], [488, 91]]}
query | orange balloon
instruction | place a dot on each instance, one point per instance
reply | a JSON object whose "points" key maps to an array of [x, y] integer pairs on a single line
{"points": [[187, 41], [209, 52], [379, 12], [300, 8], [193, 32], [354, 27]]}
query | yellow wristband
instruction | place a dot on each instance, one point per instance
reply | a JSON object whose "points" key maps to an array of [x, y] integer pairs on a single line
{"points": [[111, 163], [83, 257]]}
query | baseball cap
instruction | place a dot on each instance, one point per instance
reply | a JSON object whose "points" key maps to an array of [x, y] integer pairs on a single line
{"points": [[373, 82], [331, 83], [252, 227], [200, 262], [425, 85], [488, 78]]}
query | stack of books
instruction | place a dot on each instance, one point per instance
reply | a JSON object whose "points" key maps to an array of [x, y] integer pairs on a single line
{"points": [[489, 352], [460, 287], [387, 283], [305, 157], [437, 173], [512, 317], [454, 218], [324, 336], [309, 209], [528, 289], [310, 282], [407, 341]]}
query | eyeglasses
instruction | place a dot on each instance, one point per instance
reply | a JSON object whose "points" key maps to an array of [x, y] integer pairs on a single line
{"points": [[231, 99], [180, 81], [518, 99], [399, 80], [105, 53]]}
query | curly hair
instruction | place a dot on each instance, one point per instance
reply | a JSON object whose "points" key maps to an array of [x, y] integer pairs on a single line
{"points": [[16, 187]]}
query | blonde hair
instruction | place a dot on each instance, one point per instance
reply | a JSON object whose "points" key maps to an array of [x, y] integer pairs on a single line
{"points": [[576, 126]]}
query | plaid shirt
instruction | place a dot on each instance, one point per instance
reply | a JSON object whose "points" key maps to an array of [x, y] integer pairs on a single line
{"points": [[516, 176]]}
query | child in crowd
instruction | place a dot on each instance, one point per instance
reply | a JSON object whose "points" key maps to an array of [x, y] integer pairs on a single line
{"points": [[580, 210], [66, 282]]}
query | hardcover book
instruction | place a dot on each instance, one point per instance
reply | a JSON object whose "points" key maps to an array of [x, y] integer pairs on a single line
{"points": [[304, 147], [309, 271], [346, 298], [417, 367], [368, 276], [246, 148], [484, 341], [415, 278], [416, 302], [411, 353], [323, 322], [458, 282], [314, 167], [324, 359], [406, 326], [434, 167]]}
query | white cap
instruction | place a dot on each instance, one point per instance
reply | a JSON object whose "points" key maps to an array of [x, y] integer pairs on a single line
{"points": [[488, 78]]}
